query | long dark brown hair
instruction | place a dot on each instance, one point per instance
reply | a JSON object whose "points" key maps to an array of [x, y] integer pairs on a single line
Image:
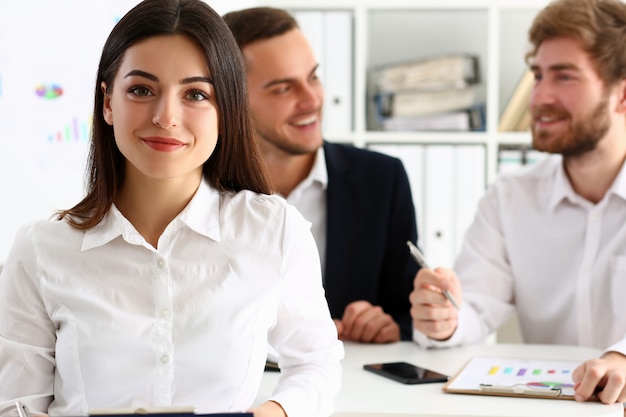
{"points": [[235, 163]]}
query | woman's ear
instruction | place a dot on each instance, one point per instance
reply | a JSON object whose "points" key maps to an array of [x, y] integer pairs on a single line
{"points": [[107, 111]]}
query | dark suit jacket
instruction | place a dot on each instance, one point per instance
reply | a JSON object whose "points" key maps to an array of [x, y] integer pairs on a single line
{"points": [[370, 216]]}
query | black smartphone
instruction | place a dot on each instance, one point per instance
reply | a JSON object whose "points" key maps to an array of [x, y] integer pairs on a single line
{"points": [[405, 372]]}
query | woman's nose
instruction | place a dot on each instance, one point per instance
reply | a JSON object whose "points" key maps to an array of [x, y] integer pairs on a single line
{"points": [[167, 112]]}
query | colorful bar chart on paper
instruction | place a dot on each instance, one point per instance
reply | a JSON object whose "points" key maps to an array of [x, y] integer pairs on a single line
{"points": [[536, 374]]}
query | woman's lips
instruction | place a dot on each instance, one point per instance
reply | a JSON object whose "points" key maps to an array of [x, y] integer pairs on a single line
{"points": [[163, 144]]}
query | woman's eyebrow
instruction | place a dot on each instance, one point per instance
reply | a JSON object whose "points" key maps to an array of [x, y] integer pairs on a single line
{"points": [[152, 77]]}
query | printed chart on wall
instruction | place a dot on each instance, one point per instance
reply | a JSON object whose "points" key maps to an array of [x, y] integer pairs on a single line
{"points": [[516, 377], [57, 123], [46, 103]]}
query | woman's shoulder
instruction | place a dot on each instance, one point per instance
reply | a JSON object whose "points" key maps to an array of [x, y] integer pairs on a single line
{"points": [[255, 201], [51, 233], [46, 226], [268, 208]]}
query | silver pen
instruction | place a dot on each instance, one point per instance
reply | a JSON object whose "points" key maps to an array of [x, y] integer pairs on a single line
{"points": [[419, 258], [22, 410]]}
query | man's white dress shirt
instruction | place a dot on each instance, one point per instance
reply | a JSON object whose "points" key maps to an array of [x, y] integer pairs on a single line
{"points": [[309, 197], [99, 318], [558, 259]]}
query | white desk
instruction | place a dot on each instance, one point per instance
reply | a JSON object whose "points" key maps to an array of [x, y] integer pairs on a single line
{"points": [[365, 394]]}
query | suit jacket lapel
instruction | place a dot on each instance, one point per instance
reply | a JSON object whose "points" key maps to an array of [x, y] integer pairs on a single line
{"points": [[340, 228]]}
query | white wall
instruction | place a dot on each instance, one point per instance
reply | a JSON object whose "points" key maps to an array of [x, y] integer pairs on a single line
{"points": [[43, 141]]}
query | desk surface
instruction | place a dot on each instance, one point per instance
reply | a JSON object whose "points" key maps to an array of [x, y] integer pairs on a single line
{"points": [[365, 394]]}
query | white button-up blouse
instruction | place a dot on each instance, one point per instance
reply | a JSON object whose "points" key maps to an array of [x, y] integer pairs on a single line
{"points": [[99, 318]]}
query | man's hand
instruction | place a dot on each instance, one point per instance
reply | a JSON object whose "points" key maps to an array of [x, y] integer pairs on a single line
{"points": [[269, 409], [431, 311], [363, 322], [605, 376]]}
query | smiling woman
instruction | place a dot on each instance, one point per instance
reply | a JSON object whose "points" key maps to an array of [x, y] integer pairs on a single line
{"points": [[165, 123], [164, 118], [177, 256]]}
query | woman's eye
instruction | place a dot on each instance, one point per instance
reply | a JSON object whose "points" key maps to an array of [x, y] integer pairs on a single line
{"points": [[197, 95], [140, 91]]}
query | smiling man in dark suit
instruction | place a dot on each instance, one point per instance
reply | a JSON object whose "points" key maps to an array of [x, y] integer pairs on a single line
{"points": [[358, 201]]}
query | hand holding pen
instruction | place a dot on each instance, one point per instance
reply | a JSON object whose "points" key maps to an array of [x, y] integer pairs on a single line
{"points": [[431, 316], [419, 258]]}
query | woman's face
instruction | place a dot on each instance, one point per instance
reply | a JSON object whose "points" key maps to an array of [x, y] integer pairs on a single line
{"points": [[162, 108]]}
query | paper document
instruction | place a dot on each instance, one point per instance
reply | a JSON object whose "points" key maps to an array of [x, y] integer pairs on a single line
{"points": [[515, 377]]}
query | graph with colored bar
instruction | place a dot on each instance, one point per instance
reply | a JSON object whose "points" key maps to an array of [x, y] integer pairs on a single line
{"points": [[510, 372], [77, 130]]}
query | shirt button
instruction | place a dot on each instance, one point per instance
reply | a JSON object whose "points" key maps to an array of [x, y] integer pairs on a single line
{"points": [[165, 359], [160, 263], [165, 313]]}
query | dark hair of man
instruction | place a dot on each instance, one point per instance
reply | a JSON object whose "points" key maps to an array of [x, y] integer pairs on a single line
{"points": [[257, 23], [599, 26], [235, 163]]}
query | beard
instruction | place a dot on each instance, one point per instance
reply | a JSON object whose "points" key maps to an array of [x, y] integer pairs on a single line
{"points": [[294, 149], [581, 137], [290, 145]]}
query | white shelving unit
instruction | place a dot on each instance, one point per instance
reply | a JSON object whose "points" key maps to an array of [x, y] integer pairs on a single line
{"points": [[395, 30]]}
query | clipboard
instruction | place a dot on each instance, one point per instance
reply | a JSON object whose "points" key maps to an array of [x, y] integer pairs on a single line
{"points": [[159, 412], [22, 411], [513, 377], [170, 414]]}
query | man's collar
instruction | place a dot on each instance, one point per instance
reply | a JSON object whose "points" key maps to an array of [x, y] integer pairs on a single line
{"points": [[319, 173], [562, 187], [619, 184]]}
